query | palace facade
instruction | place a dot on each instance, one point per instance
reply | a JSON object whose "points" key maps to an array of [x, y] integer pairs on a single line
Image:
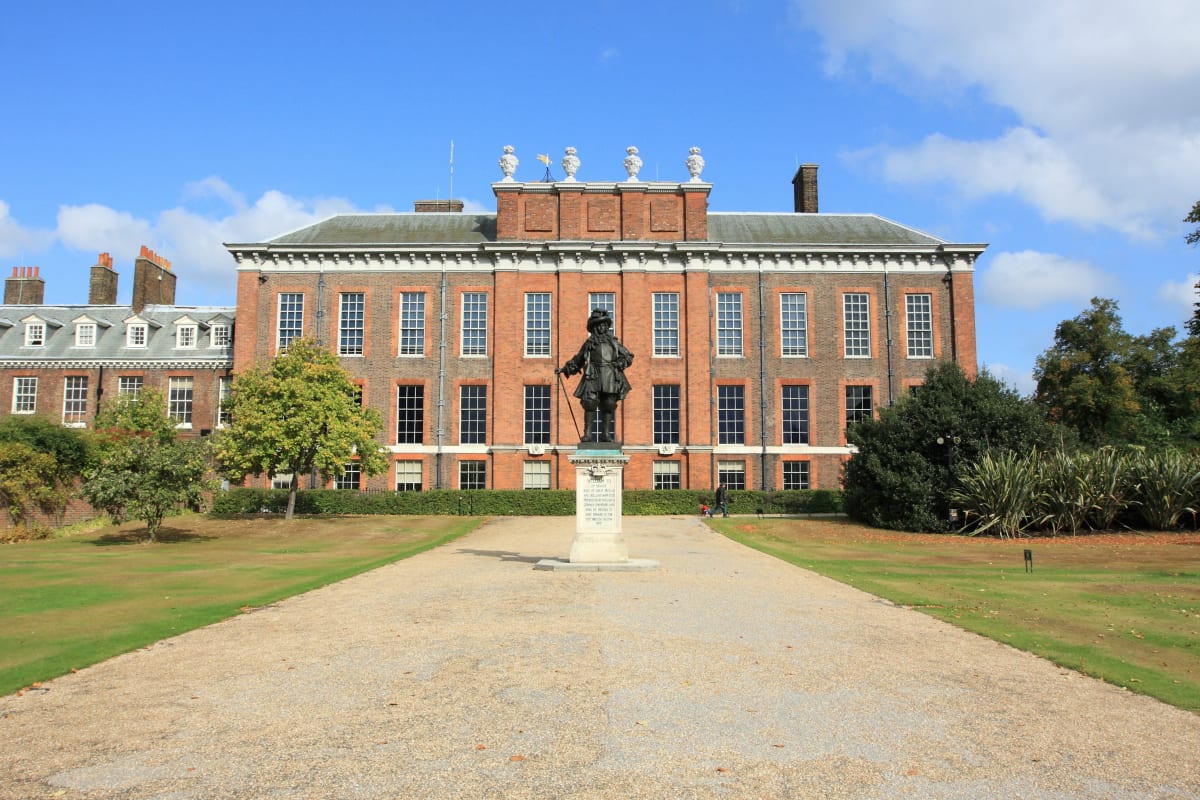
{"points": [[758, 337]]}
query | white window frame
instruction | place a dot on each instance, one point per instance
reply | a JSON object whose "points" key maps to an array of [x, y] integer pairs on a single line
{"points": [[127, 388], [411, 324], [856, 324], [75, 400], [665, 333], [535, 475], [25, 389], [224, 392], [35, 334], [407, 469], [667, 475], [793, 325], [292, 314], [137, 334], [352, 319], [186, 335], [474, 464], [729, 324], [474, 327], [538, 322], [85, 334], [605, 300], [179, 405], [220, 335], [918, 318], [351, 479]]}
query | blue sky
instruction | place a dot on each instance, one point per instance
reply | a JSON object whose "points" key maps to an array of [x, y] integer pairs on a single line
{"points": [[1066, 135]]}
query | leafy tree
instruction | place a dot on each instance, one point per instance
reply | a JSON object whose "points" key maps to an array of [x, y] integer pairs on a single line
{"points": [[1084, 379], [69, 447], [902, 473], [28, 482], [40, 462], [142, 471], [298, 415], [1114, 388], [148, 479], [143, 416]]}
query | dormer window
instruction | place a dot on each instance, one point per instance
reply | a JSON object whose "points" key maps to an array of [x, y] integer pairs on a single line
{"points": [[219, 335], [135, 334], [185, 336], [85, 334], [35, 334]]}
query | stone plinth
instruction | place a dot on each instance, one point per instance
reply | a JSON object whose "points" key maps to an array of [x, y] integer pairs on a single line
{"points": [[598, 544]]}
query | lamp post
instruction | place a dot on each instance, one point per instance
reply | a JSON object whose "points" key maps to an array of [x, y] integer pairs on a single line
{"points": [[948, 441]]}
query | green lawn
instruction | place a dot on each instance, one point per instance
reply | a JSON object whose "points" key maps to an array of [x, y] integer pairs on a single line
{"points": [[1122, 608], [69, 602]]}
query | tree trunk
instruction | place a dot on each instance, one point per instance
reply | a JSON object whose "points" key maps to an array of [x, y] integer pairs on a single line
{"points": [[292, 487]]}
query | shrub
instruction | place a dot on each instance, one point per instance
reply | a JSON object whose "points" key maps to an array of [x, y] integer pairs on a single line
{"points": [[516, 502]]}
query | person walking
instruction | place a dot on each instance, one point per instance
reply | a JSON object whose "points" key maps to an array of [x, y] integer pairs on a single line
{"points": [[722, 501]]}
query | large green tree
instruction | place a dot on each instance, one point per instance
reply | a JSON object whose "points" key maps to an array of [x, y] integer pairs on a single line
{"points": [[1084, 379], [902, 473], [300, 414], [143, 471], [1114, 388]]}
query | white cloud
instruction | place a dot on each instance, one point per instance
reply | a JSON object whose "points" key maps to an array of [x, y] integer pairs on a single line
{"points": [[1179, 298], [1101, 93], [96, 227], [19, 241], [1030, 280], [1021, 380], [193, 240]]}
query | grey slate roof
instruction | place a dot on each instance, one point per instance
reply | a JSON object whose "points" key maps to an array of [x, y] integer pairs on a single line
{"points": [[733, 228], [111, 347], [408, 228]]}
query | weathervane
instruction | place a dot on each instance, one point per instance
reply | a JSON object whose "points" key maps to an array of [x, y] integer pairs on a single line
{"points": [[545, 159]]}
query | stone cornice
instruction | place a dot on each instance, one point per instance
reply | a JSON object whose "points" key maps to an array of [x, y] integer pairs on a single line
{"points": [[115, 363]]}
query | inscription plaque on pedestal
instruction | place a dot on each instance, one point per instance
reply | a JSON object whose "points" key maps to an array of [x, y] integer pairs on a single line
{"points": [[598, 544]]}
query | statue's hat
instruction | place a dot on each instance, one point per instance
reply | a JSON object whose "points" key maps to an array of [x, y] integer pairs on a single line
{"points": [[598, 315]]}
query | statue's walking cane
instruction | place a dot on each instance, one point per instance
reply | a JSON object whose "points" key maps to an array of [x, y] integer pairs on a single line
{"points": [[570, 408]]}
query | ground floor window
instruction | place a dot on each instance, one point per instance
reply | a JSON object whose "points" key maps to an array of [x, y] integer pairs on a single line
{"points": [[732, 474], [408, 476], [350, 479], [472, 475], [283, 481], [795, 475], [537, 474], [666, 475]]}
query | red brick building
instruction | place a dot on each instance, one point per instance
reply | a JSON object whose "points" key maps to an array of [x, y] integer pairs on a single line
{"points": [[65, 361], [757, 336]]}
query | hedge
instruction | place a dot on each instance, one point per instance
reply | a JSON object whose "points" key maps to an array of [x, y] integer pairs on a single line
{"points": [[516, 502]]}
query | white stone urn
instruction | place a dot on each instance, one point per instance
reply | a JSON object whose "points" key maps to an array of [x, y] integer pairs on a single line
{"points": [[633, 164], [695, 164], [508, 164], [570, 165]]}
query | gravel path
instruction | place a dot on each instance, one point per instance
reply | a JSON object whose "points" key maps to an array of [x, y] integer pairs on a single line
{"points": [[465, 673]]}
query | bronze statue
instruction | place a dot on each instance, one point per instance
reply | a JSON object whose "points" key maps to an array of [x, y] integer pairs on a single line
{"points": [[602, 359]]}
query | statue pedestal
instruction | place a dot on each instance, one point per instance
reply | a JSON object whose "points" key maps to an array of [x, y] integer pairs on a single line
{"points": [[598, 544]]}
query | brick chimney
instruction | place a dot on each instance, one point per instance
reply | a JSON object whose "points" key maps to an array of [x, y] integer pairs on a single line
{"points": [[153, 281], [25, 287], [805, 184], [102, 291], [430, 206]]}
